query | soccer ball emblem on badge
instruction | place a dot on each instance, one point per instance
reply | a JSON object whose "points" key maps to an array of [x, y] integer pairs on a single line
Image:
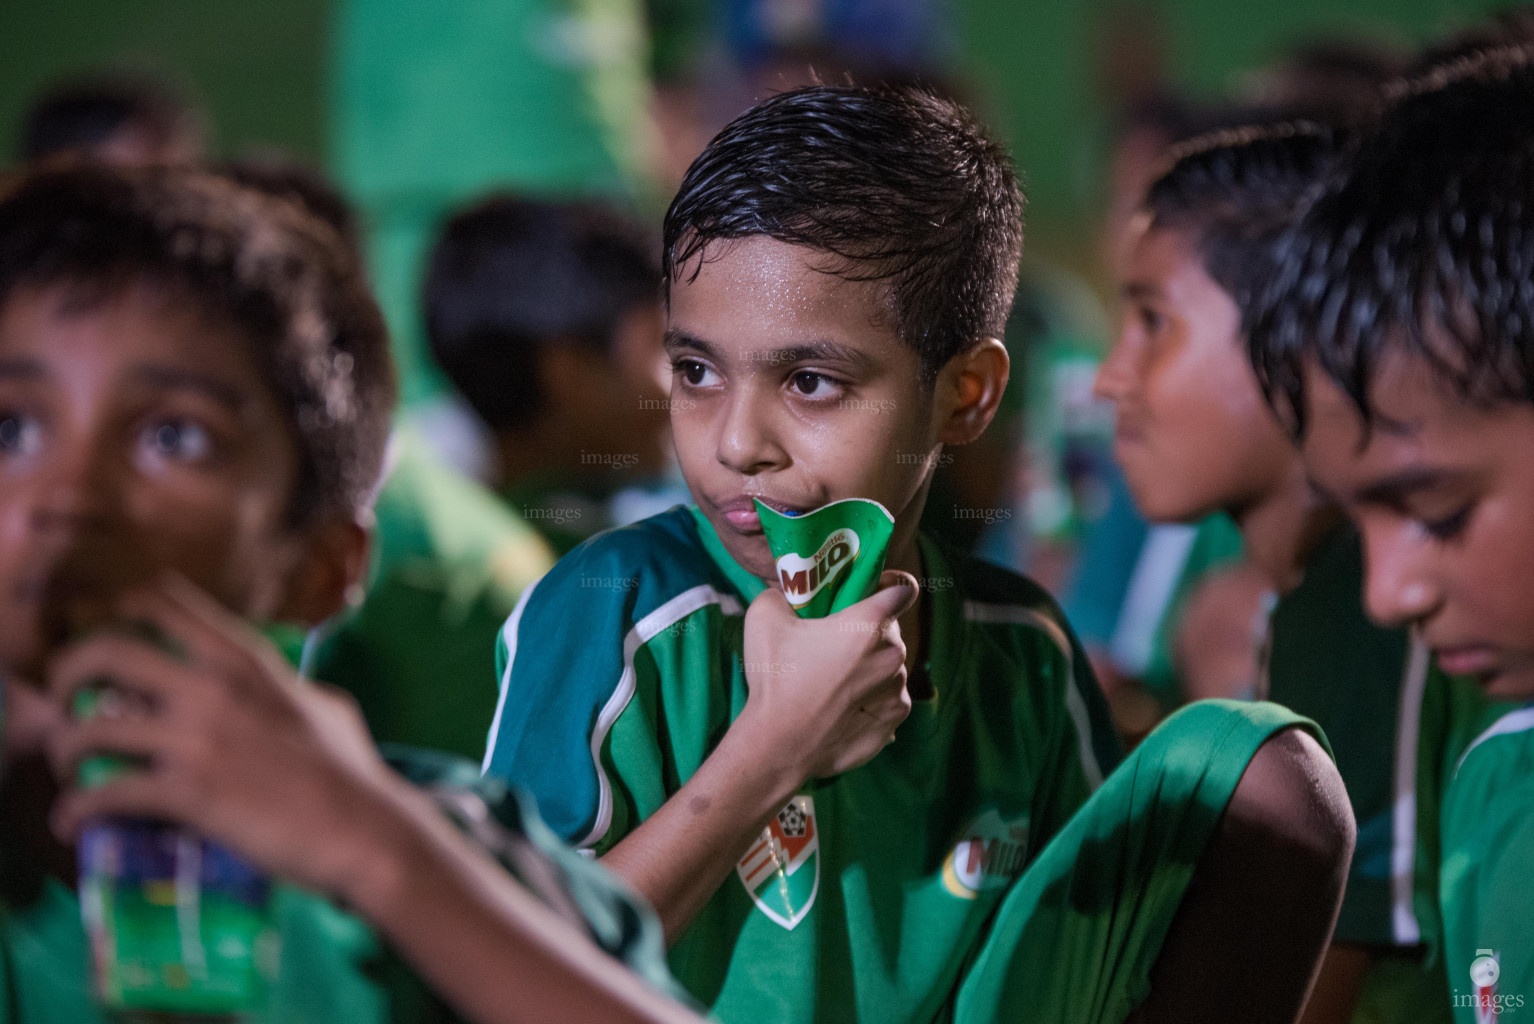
{"points": [[781, 871], [1484, 969]]}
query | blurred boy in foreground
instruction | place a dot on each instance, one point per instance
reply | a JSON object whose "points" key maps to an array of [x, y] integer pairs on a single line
{"points": [[194, 398]]}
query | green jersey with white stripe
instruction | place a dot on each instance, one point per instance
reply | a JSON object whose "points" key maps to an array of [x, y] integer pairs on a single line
{"points": [[870, 893], [1487, 881], [1366, 686]]}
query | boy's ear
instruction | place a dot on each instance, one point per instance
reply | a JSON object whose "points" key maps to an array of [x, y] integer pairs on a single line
{"points": [[331, 561], [970, 388]]}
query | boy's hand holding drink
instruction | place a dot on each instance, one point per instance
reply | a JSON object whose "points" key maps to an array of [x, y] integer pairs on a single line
{"points": [[825, 662], [209, 729]]}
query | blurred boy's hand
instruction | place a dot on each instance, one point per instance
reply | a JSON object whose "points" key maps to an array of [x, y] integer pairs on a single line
{"points": [[827, 694], [234, 744]]}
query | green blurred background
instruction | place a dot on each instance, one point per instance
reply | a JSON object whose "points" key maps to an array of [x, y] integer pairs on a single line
{"points": [[259, 67]]}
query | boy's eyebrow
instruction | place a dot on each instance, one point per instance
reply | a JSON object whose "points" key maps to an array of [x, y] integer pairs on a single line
{"points": [[810, 351], [1140, 290], [170, 379], [21, 369], [1390, 489], [681, 339]]}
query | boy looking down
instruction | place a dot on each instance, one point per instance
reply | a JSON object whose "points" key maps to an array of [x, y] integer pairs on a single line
{"points": [[194, 398], [888, 813], [1397, 344], [1195, 436]]}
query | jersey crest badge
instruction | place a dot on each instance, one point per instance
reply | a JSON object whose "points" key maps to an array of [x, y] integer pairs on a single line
{"points": [[990, 855], [781, 871]]}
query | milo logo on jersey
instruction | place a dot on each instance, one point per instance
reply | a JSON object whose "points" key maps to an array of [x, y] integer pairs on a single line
{"points": [[781, 871], [990, 855], [803, 578]]}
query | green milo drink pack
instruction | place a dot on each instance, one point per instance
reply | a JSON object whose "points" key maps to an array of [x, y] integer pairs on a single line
{"points": [[830, 558], [179, 927]]}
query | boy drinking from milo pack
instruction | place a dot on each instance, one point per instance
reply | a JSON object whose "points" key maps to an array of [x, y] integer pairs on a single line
{"points": [[194, 397], [1195, 436], [896, 812], [1398, 345]]}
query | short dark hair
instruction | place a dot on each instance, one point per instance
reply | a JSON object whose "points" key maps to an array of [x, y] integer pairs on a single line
{"points": [[288, 179], [895, 184], [1235, 192], [279, 278], [81, 114], [1425, 245], [511, 275]]}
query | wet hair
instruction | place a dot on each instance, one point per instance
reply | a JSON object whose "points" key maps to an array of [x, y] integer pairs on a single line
{"points": [[1424, 246], [79, 115], [893, 185], [510, 276], [279, 279], [1235, 192]]}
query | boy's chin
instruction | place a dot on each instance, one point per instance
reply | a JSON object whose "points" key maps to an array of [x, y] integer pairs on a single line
{"points": [[750, 552], [1512, 684]]}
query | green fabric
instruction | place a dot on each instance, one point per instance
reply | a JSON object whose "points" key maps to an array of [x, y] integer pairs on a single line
{"points": [[1076, 936], [449, 562], [1217, 545], [1403, 985], [436, 103], [889, 874], [1488, 866], [1327, 661], [333, 969]]}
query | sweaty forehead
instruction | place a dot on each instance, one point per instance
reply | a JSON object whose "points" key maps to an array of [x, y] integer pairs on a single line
{"points": [[766, 292]]}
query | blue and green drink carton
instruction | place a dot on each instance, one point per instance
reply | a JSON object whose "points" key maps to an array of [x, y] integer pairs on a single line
{"points": [[179, 927], [831, 558]]}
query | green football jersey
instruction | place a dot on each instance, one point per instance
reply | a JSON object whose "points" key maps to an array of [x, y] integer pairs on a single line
{"points": [[333, 967], [870, 893], [1366, 687], [1487, 882], [449, 562]]}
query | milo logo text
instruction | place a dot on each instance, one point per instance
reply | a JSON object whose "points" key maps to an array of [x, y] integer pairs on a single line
{"points": [[803, 578]]}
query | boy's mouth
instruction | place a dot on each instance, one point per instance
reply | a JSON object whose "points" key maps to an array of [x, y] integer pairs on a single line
{"points": [[740, 511]]}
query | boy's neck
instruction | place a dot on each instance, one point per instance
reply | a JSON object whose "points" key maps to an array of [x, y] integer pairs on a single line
{"points": [[1281, 528], [905, 555]]}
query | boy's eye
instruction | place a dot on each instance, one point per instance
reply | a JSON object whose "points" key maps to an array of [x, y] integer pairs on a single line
{"points": [[812, 385], [694, 373], [1448, 527], [177, 440], [1151, 320], [19, 435]]}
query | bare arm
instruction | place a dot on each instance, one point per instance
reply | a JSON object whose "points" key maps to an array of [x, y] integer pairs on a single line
{"points": [[825, 696], [286, 774]]}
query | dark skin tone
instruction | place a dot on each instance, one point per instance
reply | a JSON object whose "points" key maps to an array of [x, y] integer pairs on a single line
{"points": [[800, 393], [147, 474], [1196, 436], [791, 386]]}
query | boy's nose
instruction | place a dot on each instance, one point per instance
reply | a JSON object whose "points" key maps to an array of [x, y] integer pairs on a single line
{"points": [[1114, 374], [1398, 589], [746, 442], [72, 488]]}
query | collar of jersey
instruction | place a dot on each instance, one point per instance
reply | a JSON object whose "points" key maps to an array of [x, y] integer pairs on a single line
{"points": [[744, 582], [946, 623]]}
